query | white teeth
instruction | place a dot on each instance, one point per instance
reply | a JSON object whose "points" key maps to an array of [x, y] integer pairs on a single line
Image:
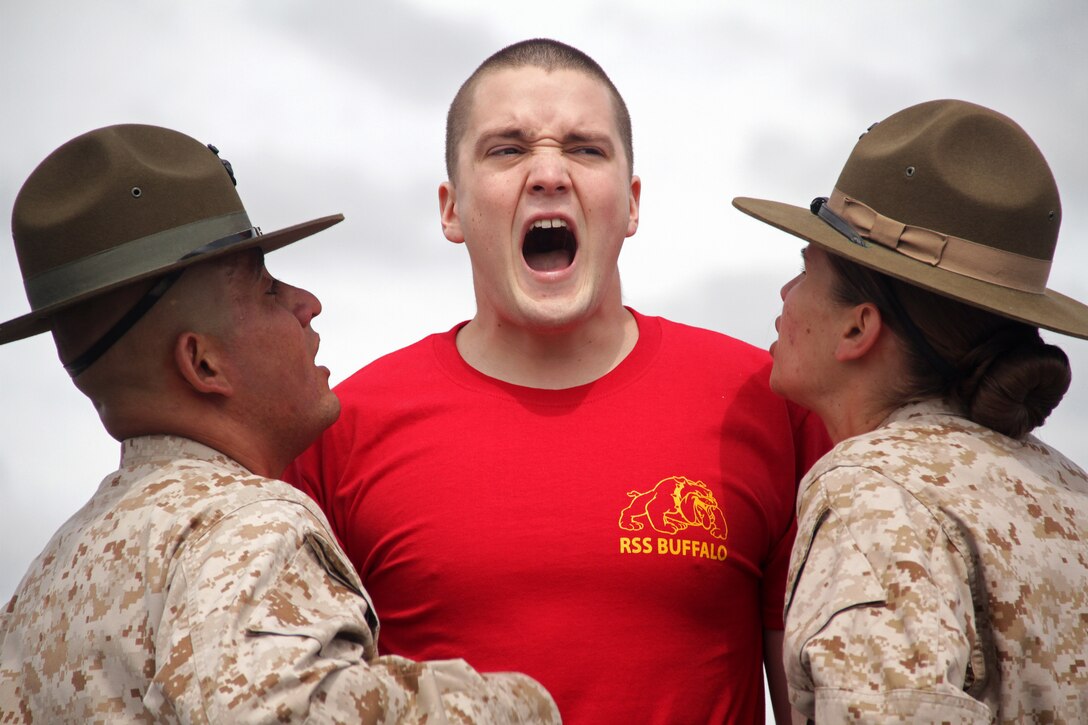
{"points": [[548, 223]]}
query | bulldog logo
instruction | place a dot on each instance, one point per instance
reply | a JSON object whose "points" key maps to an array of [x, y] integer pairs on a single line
{"points": [[673, 505]]}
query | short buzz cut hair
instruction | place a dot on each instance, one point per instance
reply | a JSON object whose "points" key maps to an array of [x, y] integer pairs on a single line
{"points": [[544, 53]]}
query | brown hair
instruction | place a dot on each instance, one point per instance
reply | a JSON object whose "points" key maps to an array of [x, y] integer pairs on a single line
{"points": [[550, 55], [998, 370]]}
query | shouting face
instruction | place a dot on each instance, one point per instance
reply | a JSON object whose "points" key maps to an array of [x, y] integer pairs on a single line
{"points": [[543, 198]]}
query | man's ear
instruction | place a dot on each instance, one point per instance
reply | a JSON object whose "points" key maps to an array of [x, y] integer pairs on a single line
{"points": [[199, 363], [862, 328], [449, 213], [632, 200]]}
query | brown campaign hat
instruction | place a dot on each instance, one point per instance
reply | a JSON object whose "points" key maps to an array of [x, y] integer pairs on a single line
{"points": [[952, 197], [122, 204]]}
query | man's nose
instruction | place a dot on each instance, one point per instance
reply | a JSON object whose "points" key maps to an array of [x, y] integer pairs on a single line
{"points": [[304, 304], [548, 172]]}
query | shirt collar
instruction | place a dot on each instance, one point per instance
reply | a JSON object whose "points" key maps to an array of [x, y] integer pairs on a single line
{"points": [[922, 408], [144, 449]]}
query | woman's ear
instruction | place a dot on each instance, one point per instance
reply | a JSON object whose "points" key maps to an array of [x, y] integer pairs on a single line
{"points": [[862, 328], [199, 364]]}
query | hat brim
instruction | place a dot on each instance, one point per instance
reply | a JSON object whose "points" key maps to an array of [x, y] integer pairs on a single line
{"points": [[1051, 310], [37, 322]]}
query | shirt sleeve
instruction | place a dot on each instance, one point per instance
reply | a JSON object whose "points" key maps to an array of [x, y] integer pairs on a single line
{"points": [[810, 439], [880, 619], [265, 622], [304, 473], [810, 442]]}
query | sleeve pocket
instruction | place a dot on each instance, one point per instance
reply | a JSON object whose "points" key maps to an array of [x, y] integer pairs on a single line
{"points": [[832, 575], [310, 598]]}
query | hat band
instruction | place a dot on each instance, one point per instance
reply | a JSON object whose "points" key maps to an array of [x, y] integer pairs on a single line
{"points": [[952, 254], [129, 260]]}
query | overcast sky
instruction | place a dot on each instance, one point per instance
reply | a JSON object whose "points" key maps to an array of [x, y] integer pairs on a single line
{"points": [[327, 107]]}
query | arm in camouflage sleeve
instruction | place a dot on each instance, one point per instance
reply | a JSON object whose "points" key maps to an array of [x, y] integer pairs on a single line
{"points": [[265, 622], [879, 610]]}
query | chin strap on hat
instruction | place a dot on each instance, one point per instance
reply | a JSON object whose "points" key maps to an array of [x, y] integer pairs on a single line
{"points": [[145, 303], [862, 224], [130, 318], [819, 208]]}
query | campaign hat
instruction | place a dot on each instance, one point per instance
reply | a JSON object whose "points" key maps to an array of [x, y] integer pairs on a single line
{"points": [[122, 204], [952, 197]]}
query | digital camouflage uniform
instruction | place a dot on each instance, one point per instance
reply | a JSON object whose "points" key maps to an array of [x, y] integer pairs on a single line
{"points": [[190, 590], [940, 575]]}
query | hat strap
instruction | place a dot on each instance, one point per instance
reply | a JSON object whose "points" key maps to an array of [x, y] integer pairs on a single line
{"points": [[952, 254], [128, 260], [130, 318], [146, 302]]}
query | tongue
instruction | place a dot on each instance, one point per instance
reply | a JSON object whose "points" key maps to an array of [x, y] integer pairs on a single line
{"points": [[548, 261]]}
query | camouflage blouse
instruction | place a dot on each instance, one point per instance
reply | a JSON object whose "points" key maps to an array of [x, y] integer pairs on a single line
{"points": [[940, 574], [189, 590]]}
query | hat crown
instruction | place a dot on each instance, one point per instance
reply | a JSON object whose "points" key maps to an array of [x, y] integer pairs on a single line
{"points": [[962, 170], [111, 186]]}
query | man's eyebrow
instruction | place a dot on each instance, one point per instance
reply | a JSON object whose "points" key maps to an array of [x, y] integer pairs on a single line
{"points": [[508, 133], [505, 132], [595, 138], [516, 133]]}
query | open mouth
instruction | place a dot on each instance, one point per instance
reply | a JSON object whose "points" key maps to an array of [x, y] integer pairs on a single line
{"points": [[549, 245]]}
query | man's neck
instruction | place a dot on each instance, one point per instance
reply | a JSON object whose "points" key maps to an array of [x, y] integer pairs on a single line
{"points": [[549, 359]]}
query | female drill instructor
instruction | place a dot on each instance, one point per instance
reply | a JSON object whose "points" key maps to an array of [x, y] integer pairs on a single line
{"points": [[940, 572]]}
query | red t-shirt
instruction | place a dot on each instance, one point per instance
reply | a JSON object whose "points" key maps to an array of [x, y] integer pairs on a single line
{"points": [[624, 542]]}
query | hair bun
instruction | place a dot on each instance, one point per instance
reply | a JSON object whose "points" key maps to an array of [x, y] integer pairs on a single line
{"points": [[1013, 380]]}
